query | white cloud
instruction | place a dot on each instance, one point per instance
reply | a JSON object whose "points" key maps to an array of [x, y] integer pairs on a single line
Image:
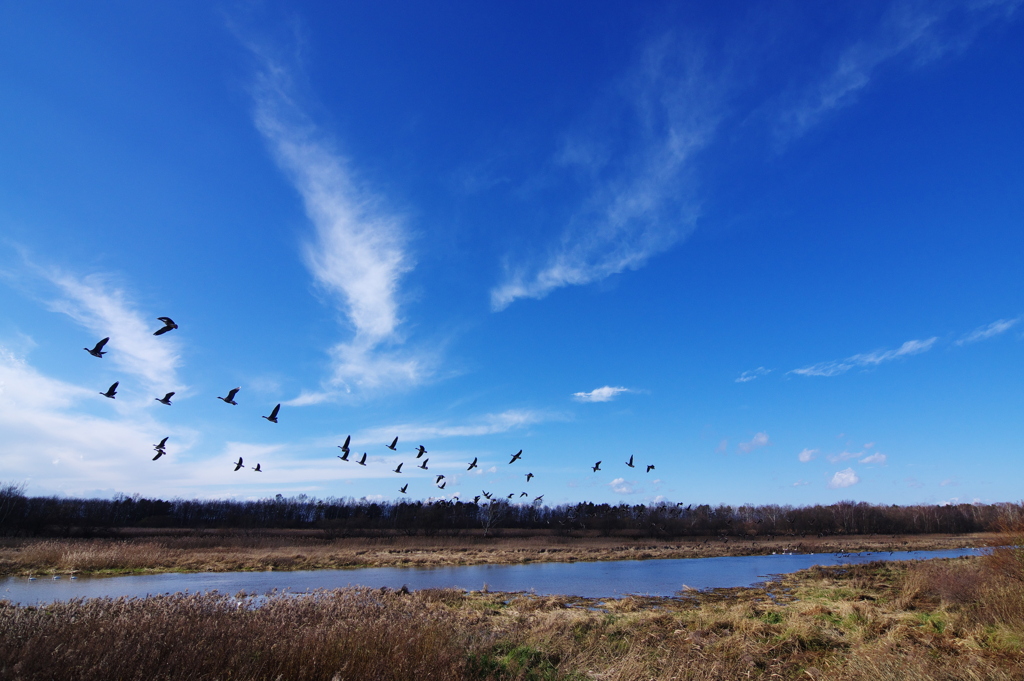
{"points": [[488, 424], [988, 331], [870, 359], [638, 203], [843, 456], [759, 440], [800, 483], [807, 455], [605, 394], [843, 478], [357, 253], [747, 376], [621, 486], [107, 311], [919, 31], [876, 458]]}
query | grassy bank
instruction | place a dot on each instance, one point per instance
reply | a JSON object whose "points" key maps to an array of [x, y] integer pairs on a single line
{"points": [[954, 619], [294, 550]]}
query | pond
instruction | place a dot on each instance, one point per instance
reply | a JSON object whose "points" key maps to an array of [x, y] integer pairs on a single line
{"points": [[664, 577]]}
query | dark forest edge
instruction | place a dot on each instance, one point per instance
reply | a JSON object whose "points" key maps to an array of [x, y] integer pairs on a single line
{"points": [[26, 516]]}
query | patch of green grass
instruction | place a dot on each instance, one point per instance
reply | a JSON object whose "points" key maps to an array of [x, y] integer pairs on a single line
{"points": [[523, 662], [772, 618]]}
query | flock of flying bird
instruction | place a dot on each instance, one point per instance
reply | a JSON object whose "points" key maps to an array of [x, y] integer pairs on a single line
{"points": [[440, 482]]}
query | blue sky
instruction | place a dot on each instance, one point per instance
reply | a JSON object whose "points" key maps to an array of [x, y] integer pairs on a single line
{"points": [[775, 251]]}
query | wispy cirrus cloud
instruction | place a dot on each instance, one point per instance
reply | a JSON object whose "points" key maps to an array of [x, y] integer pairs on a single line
{"points": [[107, 310], [756, 442], [639, 202], [604, 394], [918, 32], [876, 458], [988, 331], [748, 376], [870, 359], [358, 252], [488, 424]]}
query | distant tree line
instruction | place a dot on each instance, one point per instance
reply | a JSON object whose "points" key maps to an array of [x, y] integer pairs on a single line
{"points": [[21, 515]]}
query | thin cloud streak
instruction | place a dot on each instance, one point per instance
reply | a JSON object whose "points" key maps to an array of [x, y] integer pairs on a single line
{"points": [[106, 310], [357, 253], [988, 331], [489, 424], [870, 359], [748, 376], [920, 31], [639, 209], [603, 394]]}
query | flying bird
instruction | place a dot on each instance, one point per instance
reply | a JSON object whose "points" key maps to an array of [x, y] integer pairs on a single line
{"points": [[159, 453], [515, 457], [273, 415], [166, 399], [439, 479], [399, 469], [487, 495], [471, 466], [344, 455], [420, 451], [344, 447], [169, 325], [511, 495], [540, 498], [476, 499], [403, 488], [161, 444], [441, 486], [630, 462], [111, 391], [238, 464], [650, 467], [596, 467], [97, 350], [524, 494], [424, 464], [230, 399], [393, 446], [529, 475], [362, 461], [258, 469]]}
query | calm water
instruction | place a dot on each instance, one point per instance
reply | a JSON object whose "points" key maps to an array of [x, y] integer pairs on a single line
{"points": [[594, 580]]}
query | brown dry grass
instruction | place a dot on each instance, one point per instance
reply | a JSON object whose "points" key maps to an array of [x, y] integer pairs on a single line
{"points": [[959, 619], [235, 551]]}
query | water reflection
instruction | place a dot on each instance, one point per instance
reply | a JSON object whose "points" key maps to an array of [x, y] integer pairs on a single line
{"points": [[594, 580]]}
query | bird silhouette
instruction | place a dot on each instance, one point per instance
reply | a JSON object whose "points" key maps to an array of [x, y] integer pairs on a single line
{"points": [[650, 467], [258, 469], [439, 478], [476, 499], [97, 350], [511, 495], [169, 325], [403, 488], [596, 467], [515, 457], [540, 498], [161, 444], [630, 462], [472, 465], [166, 399], [487, 495], [528, 476], [159, 453], [344, 455], [344, 447], [230, 399], [523, 494], [394, 445], [420, 451], [111, 391], [238, 464], [362, 461], [441, 486], [424, 464], [399, 469], [273, 415]]}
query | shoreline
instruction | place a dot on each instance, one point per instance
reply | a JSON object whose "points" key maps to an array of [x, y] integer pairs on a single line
{"points": [[291, 551]]}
